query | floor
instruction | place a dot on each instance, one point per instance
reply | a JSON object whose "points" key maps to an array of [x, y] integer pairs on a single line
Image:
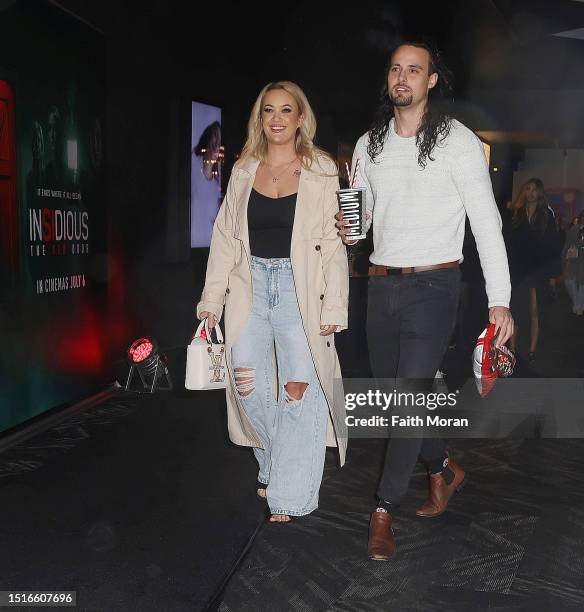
{"points": [[512, 540], [142, 503]]}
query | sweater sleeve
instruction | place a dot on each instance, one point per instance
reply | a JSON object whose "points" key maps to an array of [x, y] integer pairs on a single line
{"points": [[471, 176]]}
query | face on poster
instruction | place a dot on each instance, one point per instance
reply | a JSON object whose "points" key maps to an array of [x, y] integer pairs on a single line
{"points": [[206, 157]]}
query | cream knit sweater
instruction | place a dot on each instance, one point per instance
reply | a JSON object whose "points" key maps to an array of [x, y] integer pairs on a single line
{"points": [[418, 214]]}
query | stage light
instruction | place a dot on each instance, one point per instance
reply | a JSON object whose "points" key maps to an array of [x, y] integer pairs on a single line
{"points": [[143, 357]]}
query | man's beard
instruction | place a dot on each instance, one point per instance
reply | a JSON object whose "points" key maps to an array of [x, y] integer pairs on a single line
{"points": [[401, 100]]}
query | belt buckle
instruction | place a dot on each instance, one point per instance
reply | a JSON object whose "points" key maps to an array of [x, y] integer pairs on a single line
{"points": [[391, 271]]}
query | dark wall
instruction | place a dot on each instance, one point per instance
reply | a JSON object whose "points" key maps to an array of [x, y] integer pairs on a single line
{"points": [[157, 62], [160, 55]]}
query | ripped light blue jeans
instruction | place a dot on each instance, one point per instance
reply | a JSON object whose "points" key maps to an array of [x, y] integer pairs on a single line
{"points": [[293, 431]]}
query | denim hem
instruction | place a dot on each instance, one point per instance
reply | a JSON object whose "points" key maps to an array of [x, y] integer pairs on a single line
{"points": [[293, 512]]}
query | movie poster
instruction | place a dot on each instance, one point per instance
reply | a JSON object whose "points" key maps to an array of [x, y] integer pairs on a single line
{"points": [[53, 210], [64, 161]]}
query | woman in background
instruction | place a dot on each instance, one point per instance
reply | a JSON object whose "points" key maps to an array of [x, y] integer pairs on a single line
{"points": [[573, 255], [534, 256]]}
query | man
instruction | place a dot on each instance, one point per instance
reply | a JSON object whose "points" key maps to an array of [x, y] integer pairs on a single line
{"points": [[423, 173]]}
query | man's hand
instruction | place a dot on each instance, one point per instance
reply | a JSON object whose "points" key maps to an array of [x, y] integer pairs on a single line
{"points": [[504, 326], [340, 225]]}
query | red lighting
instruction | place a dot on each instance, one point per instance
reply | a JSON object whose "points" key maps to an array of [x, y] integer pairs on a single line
{"points": [[76, 343], [140, 350]]}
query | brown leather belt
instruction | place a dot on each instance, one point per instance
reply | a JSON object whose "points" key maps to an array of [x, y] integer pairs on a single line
{"points": [[393, 270]]}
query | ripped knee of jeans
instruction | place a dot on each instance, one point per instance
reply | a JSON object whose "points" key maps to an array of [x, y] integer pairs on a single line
{"points": [[244, 381], [295, 391]]}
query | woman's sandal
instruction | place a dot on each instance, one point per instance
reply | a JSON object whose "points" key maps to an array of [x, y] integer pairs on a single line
{"points": [[269, 515], [261, 486]]}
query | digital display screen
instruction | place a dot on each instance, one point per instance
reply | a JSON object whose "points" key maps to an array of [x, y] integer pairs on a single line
{"points": [[206, 158]]}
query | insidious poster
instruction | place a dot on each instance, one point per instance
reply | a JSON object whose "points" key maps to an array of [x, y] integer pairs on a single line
{"points": [[52, 208], [61, 167]]}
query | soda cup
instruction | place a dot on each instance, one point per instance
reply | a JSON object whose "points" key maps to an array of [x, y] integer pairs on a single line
{"points": [[352, 204]]}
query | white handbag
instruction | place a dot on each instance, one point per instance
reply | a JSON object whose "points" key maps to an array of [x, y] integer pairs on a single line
{"points": [[206, 364]]}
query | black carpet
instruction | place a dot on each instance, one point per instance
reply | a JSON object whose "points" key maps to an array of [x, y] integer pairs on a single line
{"points": [[512, 540], [142, 503], [139, 504]]}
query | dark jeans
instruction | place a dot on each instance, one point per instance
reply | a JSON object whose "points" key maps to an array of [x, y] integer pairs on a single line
{"points": [[410, 319]]}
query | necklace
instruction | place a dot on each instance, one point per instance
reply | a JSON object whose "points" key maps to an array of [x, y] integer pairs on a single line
{"points": [[276, 177]]}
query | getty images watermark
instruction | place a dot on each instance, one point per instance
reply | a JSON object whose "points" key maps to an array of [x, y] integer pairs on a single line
{"points": [[377, 399], [520, 408]]}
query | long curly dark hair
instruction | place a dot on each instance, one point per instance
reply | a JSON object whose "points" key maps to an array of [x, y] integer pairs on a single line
{"points": [[436, 121]]}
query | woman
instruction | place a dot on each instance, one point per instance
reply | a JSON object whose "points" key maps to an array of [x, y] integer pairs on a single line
{"points": [[278, 266], [534, 258], [573, 255]]}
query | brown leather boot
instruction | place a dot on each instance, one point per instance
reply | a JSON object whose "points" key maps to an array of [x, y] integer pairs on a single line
{"points": [[441, 491], [381, 544]]}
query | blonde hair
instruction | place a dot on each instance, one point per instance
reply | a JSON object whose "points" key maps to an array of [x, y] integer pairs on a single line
{"points": [[256, 145], [518, 204]]}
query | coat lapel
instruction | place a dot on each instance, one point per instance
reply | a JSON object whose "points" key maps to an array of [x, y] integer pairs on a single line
{"points": [[305, 224], [245, 178]]}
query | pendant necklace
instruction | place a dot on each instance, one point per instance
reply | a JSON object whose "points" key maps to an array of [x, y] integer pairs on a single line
{"points": [[276, 177]]}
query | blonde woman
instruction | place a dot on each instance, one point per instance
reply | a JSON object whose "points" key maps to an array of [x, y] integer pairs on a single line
{"points": [[535, 245], [279, 268]]}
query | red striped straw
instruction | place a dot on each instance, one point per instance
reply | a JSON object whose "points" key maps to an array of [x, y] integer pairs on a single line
{"points": [[352, 182], [348, 171]]}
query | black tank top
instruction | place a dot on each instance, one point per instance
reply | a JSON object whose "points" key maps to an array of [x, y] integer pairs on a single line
{"points": [[270, 222]]}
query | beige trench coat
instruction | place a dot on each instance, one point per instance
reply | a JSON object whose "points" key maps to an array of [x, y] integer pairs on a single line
{"points": [[320, 269]]}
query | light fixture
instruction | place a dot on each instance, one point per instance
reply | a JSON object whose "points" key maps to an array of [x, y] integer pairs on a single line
{"points": [[144, 358]]}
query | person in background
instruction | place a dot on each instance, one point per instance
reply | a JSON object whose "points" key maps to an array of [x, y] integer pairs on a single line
{"points": [[573, 255], [535, 256], [279, 268]]}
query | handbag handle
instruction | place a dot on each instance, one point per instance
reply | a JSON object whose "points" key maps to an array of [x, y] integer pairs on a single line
{"points": [[217, 328]]}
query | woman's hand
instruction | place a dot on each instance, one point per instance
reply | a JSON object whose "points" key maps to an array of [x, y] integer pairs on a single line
{"points": [[209, 315], [327, 330]]}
